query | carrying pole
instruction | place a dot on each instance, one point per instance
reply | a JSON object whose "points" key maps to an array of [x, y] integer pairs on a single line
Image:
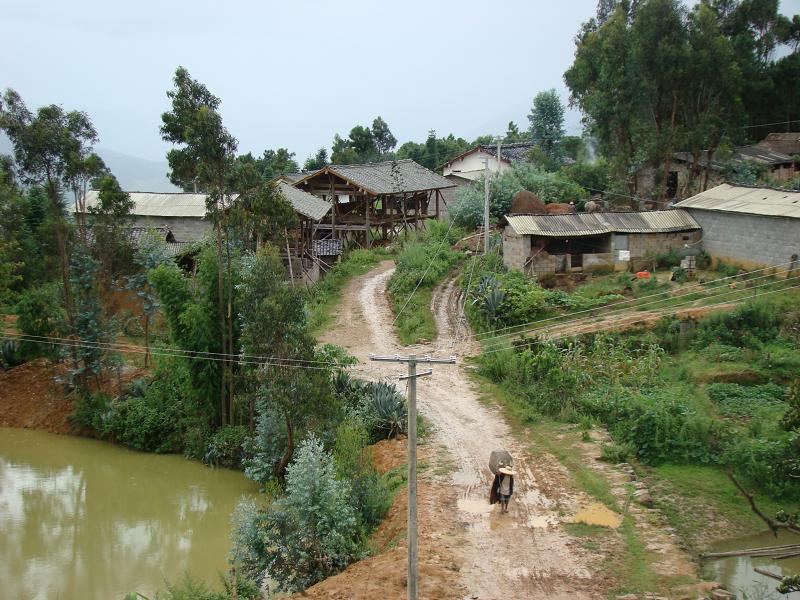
{"points": [[413, 539]]}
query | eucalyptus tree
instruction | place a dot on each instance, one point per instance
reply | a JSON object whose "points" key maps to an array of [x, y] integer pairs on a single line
{"points": [[48, 144], [317, 161], [203, 161]]}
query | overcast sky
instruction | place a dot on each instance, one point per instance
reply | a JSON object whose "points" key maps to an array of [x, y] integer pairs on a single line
{"points": [[294, 73]]}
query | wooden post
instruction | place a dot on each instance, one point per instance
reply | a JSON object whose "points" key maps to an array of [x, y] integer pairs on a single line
{"points": [[405, 216], [368, 200], [413, 550], [289, 257], [437, 204], [332, 198]]}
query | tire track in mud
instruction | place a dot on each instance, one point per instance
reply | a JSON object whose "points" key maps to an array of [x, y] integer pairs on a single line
{"points": [[524, 553]]}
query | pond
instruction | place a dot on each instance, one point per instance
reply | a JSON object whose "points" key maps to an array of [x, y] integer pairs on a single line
{"points": [[737, 574], [84, 519]]}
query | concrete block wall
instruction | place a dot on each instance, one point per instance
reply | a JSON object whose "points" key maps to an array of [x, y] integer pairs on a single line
{"points": [[598, 261], [516, 249], [185, 229], [748, 240], [642, 244]]}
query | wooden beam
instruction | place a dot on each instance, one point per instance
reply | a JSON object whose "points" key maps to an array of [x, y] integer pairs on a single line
{"points": [[367, 211]]}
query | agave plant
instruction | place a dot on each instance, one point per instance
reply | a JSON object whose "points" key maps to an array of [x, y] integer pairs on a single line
{"points": [[10, 352], [492, 302], [390, 409]]}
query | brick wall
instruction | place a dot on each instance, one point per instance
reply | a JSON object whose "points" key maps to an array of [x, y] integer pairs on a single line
{"points": [[748, 240]]}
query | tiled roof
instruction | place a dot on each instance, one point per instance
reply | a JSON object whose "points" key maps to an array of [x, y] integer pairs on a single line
{"points": [[390, 177], [587, 224], [747, 200], [510, 152], [153, 204], [304, 203], [760, 154]]}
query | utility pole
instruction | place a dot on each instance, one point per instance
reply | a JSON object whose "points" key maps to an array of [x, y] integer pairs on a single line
{"points": [[413, 548], [486, 206], [499, 141]]}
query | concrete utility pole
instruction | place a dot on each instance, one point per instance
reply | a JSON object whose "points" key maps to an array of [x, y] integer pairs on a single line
{"points": [[486, 206], [499, 141], [413, 548]]}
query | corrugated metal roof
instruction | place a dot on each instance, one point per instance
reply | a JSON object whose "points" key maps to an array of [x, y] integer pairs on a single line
{"points": [[762, 155], [747, 200], [586, 224], [661, 221], [306, 204], [390, 177], [160, 205]]}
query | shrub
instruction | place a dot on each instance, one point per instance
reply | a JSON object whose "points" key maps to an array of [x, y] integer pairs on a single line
{"points": [[614, 453], [726, 269], [702, 261], [39, 314], [226, 446], [746, 327], [11, 356], [667, 260], [370, 497], [311, 533], [93, 412]]}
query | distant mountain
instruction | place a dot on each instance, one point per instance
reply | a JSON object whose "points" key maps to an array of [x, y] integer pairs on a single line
{"points": [[138, 174], [134, 174]]}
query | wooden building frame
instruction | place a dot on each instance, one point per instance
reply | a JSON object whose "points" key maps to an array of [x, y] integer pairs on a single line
{"points": [[375, 200]]}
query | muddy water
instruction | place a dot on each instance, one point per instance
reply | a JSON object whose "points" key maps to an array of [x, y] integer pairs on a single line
{"points": [[737, 573], [82, 519]]}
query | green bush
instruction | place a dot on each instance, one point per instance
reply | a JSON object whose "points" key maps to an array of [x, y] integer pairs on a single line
{"points": [[311, 533], [189, 588], [10, 354], [155, 420], [226, 447], [370, 497], [702, 261], [749, 326], [726, 269], [772, 464], [614, 453], [39, 314], [92, 412]]}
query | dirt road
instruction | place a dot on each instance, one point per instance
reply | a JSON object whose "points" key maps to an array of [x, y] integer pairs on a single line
{"points": [[522, 554]]}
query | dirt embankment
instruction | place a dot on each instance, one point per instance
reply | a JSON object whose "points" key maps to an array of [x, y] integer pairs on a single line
{"points": [[31, 398]]}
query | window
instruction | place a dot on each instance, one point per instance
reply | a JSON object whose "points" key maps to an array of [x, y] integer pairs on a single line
{"points": [[620, 241]]}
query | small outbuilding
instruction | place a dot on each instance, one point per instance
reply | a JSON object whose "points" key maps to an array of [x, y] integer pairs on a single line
{"points": [[750, 226], [539, 244]]}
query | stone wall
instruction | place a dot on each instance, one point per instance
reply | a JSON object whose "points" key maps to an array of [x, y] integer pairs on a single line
{"points": [[748, 240], [516, 249], [185, 229]]}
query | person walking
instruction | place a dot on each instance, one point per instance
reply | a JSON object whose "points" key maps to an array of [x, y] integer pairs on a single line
{"points": [[502, 487]]}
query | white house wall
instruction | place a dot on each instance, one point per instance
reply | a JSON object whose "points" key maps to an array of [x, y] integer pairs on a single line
{"points": [[471, 166]]}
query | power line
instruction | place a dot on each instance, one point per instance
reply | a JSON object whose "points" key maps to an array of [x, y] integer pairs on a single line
{"points": [[489, 334], [770, 124], [588, 319], [157, 352], [122, 347], [501, 345]]}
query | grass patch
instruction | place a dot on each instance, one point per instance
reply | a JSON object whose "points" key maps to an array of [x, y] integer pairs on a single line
{"points": [[327, 292], [422, 264], [703, 505]]}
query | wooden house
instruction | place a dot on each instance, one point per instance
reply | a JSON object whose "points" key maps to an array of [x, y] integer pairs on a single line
{"points": [[375, 201]]}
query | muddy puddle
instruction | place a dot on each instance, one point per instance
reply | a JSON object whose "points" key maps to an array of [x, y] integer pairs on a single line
{"points": [[737, 574], [598, 514]]}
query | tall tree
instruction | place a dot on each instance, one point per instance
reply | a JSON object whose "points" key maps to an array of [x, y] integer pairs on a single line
{"points": [[108, 221], [382, 137], [46, 145], [203, 160], [547, 123], [316, 161]]}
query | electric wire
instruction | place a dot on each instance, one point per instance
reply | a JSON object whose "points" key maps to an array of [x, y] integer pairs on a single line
{"points": [[121, 347], [496, 332], [501, 345], [689, 293], [158, 352]]}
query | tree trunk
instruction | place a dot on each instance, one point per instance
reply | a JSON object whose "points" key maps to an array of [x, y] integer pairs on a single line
{"points": [[280, 468], [230, 349], [221, 316]]}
